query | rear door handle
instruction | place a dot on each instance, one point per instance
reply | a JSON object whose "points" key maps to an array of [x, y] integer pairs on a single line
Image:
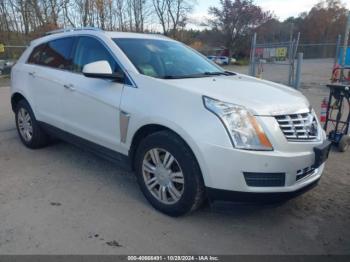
{"points": [[31, 74], [69, 87]]}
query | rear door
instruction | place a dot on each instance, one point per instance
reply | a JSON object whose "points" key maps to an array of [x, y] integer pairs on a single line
{"points": [[49, 65], [91, 105]]}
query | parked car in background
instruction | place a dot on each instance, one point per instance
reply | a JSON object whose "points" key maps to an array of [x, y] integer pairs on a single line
{"points": [[2, 65], [5, 66], [189, 129], [10, 63], [212, 57], [222, 60]]}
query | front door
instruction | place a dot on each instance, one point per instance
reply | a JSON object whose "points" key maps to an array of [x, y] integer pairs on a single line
{"points": [[91, 105]]}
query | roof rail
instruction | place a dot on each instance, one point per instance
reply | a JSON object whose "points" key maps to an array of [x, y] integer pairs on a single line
{"points": [[72, 30]]}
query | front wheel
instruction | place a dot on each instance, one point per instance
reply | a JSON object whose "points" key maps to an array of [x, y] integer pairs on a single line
{"points": [[168, 174]]}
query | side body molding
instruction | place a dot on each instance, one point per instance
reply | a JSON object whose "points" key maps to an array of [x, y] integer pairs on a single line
{"points": [[124, 125]]}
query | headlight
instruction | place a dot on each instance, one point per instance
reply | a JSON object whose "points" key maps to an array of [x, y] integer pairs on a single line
{"points": [[243, 128]]}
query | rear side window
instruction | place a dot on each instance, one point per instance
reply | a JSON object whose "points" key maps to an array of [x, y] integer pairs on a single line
{"points": [[55, 54], [34, 57], [89, 50]]}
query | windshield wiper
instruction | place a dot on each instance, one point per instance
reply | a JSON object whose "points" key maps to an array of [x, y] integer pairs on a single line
{"points": [[205, 74], [174, 77], [229, 73], [225, 73], [184, 76], [214, 73]]}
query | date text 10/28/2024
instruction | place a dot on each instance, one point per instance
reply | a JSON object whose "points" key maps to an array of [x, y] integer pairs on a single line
{"points": [[173, 258]]}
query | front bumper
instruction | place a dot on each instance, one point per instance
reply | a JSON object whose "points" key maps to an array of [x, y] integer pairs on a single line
{"points": [[224, 168]]}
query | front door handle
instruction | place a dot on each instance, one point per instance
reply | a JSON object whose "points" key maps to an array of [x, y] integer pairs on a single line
{"points": [[69, 87], [31, 74]]}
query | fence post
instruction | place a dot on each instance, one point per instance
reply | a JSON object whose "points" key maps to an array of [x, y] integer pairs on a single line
{"points": [[252, 56], [291, 62], [337, 50], [298, 71], [296, 46], [337, 54]]}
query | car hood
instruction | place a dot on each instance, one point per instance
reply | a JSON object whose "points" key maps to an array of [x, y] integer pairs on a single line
{"points": [[259, 96]]}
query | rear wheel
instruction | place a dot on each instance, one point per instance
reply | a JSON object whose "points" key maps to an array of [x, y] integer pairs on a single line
{"points": [[28, 128], [168, 174]]}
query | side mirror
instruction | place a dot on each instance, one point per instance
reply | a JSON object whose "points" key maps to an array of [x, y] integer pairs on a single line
{"points": [[101, 69]]}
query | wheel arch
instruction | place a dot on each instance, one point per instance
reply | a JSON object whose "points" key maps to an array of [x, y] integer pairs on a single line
{"points": [[148, 129], [142, 133], [15, 98]]}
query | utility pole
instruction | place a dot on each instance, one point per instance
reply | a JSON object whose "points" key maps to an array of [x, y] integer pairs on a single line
{"points": [[252, 56]]}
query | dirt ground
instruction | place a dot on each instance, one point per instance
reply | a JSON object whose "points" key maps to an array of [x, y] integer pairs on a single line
{"points": [[62, 200]]}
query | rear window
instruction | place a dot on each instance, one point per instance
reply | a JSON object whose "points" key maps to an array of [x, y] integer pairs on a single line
{"points": [[34, 57], [55, 54]]}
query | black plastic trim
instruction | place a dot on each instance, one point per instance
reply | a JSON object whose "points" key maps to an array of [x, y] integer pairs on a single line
{"points": [[236, 196], [265, 179], [121, 160]]}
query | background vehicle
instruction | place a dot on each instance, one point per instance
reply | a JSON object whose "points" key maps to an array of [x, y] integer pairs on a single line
{"points": [[188, 128], [222, 60], [5, 66], [212, 58]]}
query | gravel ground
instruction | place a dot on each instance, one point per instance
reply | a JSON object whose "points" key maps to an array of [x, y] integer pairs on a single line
{"points": [[4, 81], [63, 200]]}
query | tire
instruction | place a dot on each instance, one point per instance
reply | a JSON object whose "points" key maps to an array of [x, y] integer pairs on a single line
{"points": [[189, 193], [29, 130], [344, 143]]}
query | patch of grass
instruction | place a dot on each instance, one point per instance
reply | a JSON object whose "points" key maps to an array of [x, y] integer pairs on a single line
{"points": [[242, 62]]}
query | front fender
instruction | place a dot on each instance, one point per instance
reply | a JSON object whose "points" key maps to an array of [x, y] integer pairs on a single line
{"points": [[176, 128]]}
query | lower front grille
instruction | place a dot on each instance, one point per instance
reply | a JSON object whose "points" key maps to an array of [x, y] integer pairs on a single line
{"points": [[265, 179], [302, 173]]}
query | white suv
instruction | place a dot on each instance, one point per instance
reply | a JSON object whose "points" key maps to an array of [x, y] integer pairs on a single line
{"points": [[189, 129]]}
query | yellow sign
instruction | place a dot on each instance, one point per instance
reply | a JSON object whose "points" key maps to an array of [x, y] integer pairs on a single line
{"points": [[281, 52], [2, 48]]}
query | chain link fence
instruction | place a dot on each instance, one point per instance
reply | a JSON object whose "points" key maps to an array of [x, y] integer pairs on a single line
{"points": [[294, 64], [275, 61], [9, 54]]}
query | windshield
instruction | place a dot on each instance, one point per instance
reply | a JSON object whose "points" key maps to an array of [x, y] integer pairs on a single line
{"points": [[166, 59]]}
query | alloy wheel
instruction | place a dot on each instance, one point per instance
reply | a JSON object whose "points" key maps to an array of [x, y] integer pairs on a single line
{"points": [[163, 176], [25, 126]]}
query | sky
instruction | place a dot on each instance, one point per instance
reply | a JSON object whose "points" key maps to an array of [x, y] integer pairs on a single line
{"points": [[282, 8]]}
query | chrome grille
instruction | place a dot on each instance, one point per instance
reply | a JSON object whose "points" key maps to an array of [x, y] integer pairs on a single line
{"points": [[298, 127]]}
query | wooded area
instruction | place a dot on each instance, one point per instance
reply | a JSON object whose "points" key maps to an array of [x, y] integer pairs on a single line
{"points": [[231, 24]]}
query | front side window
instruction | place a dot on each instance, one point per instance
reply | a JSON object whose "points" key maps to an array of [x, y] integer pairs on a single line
{"points": [[166, 59], [91, 50], [57, 54]]}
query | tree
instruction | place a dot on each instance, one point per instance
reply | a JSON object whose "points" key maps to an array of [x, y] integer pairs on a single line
{"points": [[324, 22], [235, 19], [172, 14]]}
